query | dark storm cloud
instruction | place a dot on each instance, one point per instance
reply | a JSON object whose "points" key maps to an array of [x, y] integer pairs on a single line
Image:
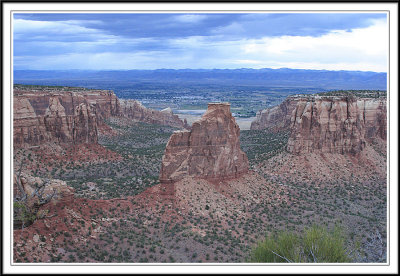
{"points": [[304, 24], [143, 25], [182, 25]]}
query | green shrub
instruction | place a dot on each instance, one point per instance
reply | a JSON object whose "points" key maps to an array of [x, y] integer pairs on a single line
{"points": [[314, 245], [23, 215]]}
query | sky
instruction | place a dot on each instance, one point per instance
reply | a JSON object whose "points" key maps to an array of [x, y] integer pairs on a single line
{"points": [[109, 41]]}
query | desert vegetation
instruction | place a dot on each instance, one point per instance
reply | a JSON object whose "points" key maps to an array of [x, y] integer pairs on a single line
{"points": [[314, 245], [261, 145], [119, 213], [128, 163], [207, 223]]}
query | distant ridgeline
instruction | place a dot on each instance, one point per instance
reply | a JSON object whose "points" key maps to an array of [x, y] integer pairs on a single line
{"points": [[283, 77], [49, 88]]}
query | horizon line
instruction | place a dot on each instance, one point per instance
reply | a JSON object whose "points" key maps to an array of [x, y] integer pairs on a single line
{"points": [[174, 69]]}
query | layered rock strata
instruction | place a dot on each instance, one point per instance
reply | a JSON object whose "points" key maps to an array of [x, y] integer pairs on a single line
{"points": [[52, 122], [331, 124], [105, 101], [72, 115], [136, 111], [275, 118], [210, 150], [336, 125]]}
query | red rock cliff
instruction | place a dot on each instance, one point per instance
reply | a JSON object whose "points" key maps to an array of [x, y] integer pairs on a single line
{"points": [[51, 121], [336, 124], [105, 102], [73, 115], [275, 118], [61, 115], [210, 150], [326, 123]]}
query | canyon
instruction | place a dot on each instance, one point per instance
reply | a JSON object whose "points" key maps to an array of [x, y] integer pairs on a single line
{"points": [[74, 115], [132, 188]]}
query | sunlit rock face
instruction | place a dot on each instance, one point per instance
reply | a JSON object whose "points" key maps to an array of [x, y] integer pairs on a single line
{"points": [[74, 115], [329, 124], [210, 150], [61, 118], [336, 125]]}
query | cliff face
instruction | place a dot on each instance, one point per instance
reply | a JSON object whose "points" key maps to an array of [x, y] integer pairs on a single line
{"points": [[85, 124], [327, 123], [105, 102], [275, 118], [210, 150], [74, 115], [54, 125], [136, 111], [53, 117], [336, 125]]}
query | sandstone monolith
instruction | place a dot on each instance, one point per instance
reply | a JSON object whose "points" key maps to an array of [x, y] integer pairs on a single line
{"points": [[210, 150]]}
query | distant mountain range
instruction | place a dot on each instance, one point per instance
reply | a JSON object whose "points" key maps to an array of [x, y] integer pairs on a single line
{"points": [[284, 77]]}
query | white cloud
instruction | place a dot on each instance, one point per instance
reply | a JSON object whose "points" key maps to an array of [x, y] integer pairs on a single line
{"points": [[190, 18], [22, 26], [364, 49], [359, 49], [247, 61]]}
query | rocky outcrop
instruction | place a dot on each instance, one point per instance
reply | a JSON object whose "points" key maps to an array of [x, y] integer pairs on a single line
{"points": [[105, 102], [73, 115], [136, 111], [56, 188], [276, 118], [375, 119], [28, 128], [210, 150], [85, 124], [30, 193], [334, 124], [42, 118]]}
